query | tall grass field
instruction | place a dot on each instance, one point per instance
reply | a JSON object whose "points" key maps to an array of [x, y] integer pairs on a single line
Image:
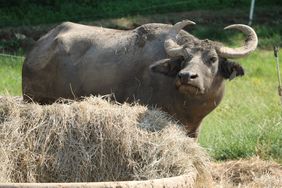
{"points": [[247, 123]]}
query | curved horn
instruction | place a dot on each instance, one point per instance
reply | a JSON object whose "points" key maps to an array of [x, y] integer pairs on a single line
{"points": [[170, 44], [250, 43]]}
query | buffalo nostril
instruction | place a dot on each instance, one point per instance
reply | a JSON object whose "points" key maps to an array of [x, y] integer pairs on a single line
{"points": [[180, 75], [193, 76], [184, 77]]}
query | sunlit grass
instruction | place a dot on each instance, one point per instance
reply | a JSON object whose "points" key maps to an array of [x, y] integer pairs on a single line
{"points": [[249, 120], [10, 75]]}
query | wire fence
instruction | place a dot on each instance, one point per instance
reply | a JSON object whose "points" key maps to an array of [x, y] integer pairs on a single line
{"points": [[11, 56], [10, 73]]}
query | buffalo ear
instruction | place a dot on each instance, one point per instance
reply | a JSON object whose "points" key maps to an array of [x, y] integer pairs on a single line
{"points": [[167, 67], [230, 70]]}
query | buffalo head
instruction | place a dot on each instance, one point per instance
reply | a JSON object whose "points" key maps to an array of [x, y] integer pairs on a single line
{"points": [[199, 66]]}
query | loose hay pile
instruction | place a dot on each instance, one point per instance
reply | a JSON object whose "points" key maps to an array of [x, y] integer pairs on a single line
{"points": [[93, 140], [252, 172]]}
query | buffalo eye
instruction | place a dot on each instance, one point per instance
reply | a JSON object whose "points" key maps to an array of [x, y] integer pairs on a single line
{"points": [[166, 66], [212, 60]]}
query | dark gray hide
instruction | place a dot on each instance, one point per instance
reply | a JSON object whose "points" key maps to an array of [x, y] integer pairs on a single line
{"points": [[74, 60]]}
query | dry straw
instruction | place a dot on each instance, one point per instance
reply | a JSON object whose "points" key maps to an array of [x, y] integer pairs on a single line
{"points": [[247, 173], [94, 140]]}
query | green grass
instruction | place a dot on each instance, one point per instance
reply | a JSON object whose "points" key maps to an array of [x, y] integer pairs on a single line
{"points": [[268, 35], [248, 122], [34, 12], [10, 79]]}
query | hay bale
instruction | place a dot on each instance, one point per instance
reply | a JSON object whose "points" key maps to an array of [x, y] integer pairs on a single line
{"points": [[94, 140], [252, 172]]}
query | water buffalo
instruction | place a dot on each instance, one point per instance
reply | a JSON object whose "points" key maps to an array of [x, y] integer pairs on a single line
{"points": [[157, 64]]}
